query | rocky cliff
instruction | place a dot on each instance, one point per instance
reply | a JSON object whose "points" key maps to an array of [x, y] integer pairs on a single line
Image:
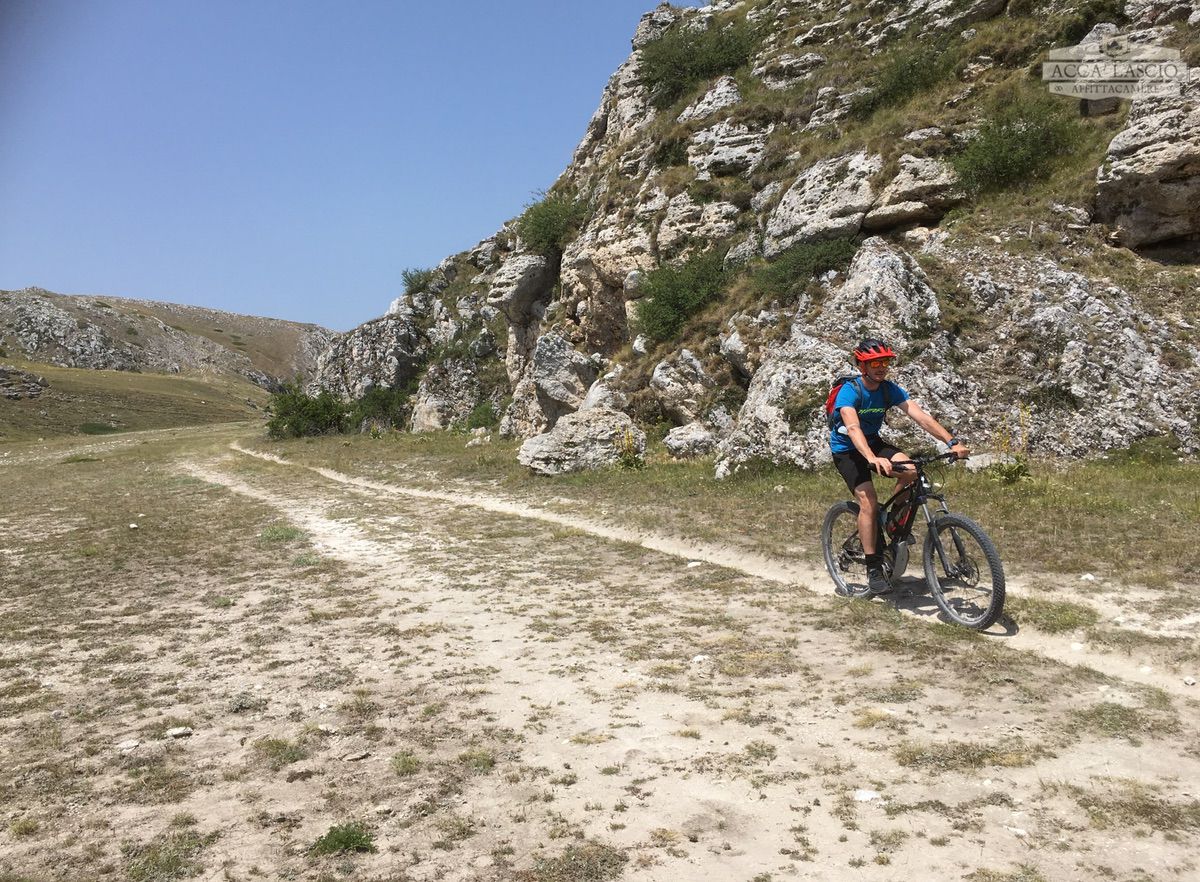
{"points": [[765, 182], [113, 333]]}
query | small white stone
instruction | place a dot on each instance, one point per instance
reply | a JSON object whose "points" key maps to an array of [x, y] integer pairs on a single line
{"points": [[382, 809], [133, 526], [699, 658], [987, 782], [778, 488], [357, 756], [180, 732], [1145, 669], [866, 795], [692, 564], [1189, 681], [128, 745], [1087, 577], [1018, 832], [1076, 647], [326, 729]]}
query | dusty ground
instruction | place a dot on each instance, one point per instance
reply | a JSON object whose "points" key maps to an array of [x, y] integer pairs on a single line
{"points": [[479, 687]]}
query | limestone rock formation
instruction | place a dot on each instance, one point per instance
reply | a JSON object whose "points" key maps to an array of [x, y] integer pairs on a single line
{"points": [[589, 439], [16, 384], [1148, 188], [385, 352]]}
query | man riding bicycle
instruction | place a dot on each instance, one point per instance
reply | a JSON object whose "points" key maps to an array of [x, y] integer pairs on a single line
{"points": [[859, 410]]}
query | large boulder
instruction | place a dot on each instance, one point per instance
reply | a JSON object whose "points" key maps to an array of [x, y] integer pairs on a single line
{"points": [[1148, 187], [680, 384], [727, 148], [554, 385], [448, 393], [589, 439], [16, 384], [829, 200], [724, 93], [922, 191]]}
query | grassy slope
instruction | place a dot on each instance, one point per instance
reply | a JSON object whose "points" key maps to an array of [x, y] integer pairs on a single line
{"points": [[130, 401]]}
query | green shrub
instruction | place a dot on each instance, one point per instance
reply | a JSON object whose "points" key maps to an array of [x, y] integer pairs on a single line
{"points": [[674, 294], [295, 414], [671, 152], [907, 72], [345, 837], [549, 223], [1020, 142], [674, 63], [1086, 16], [383, 405], [788, 274], [416, 280], [484, 416]]}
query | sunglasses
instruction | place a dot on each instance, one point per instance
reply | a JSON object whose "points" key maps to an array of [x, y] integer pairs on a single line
{"points": [[880, 362]]}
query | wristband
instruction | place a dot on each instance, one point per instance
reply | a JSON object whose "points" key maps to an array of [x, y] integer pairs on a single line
{"points": [[953, 441]]}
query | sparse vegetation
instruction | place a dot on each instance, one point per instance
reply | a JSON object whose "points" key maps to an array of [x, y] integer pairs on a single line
{"points": [[345, 838], [295, 414], [416, 281], [551, 221], [684, 57], [675, 294], [1019, 141]]}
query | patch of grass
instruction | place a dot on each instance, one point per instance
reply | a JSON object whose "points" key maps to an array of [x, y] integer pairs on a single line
{"points": [[280, 534], [1119, 721], [586, 862], [1023, 873], [345, 838], [405, 763], [1132, 803], [479, 760], [171, 855], [1021, 139], [907, 72], [550, 222], [98, 429], [675, 294], [963, 755], [787, 276], [1051, 616], [79, 457], [279, 752], [24, 826], [416, 280], [681, 58]]}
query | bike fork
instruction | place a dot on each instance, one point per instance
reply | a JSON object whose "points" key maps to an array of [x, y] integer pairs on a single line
{"points": [[937, 542]]}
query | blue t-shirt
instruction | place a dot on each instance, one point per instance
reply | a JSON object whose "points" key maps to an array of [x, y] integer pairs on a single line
{"points": [[871, 408]]}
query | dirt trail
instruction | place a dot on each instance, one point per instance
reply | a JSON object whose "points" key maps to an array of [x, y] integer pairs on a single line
{"points": [[792, 573]]}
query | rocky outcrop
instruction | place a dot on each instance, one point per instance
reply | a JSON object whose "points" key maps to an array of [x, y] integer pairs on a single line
{"points": [[448, 393], [16, 384], [681, 384], [590, 439], [116, 333], [922, 191], [1148, 188], [829, 200], [386, 353], [555, 385]]}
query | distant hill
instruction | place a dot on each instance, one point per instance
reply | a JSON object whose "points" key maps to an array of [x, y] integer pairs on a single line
{"points": [[114, 333]]}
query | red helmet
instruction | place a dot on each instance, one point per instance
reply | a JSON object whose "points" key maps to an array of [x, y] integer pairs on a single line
{"points": [[871, 349]]}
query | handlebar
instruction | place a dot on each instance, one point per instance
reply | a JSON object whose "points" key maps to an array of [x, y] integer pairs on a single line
{"points": [[920, 461]]}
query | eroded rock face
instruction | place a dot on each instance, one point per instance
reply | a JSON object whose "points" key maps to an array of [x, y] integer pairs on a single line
{"points": [[555, 385], [386, 352], [829, 200], [727, 148], [448, 393], [724, 93], [589, 439], [680, 384], [1149, 185], [886, 295], [922, 191]]}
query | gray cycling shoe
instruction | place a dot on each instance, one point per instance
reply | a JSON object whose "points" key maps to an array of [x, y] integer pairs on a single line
{"points": [[877, 582]]}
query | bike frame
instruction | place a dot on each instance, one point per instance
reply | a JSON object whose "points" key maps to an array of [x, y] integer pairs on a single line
{"points": [[921, 490]]}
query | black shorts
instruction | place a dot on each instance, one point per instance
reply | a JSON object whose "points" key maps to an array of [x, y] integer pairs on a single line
{"points": [[854, 467]]}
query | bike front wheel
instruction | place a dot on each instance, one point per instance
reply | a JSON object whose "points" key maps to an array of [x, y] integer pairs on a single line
{"points": [[964, 572], [844, 557]]}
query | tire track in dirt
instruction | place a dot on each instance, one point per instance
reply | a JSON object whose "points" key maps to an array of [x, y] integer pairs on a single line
{"points": [[792, 573]]}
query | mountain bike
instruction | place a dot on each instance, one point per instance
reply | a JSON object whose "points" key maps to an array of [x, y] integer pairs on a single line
{"points": [[962, 566]]}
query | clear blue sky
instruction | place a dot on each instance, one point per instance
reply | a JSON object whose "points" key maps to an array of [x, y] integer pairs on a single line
{"points": [[285, 158]]}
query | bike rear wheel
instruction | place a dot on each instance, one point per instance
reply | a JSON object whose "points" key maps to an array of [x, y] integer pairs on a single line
{"points": [[844, 557], [964, 572]]}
